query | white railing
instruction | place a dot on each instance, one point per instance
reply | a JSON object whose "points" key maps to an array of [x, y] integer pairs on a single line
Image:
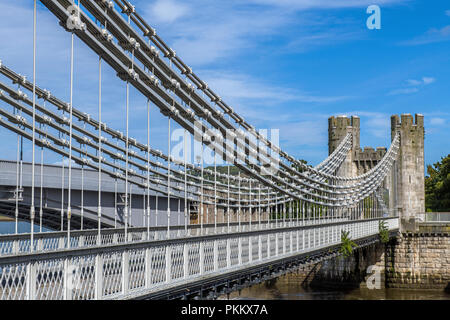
{"points": [[11, 244], [434, 217], [135, 269]]}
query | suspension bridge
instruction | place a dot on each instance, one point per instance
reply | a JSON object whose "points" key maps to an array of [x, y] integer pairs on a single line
{"points": [[131, 222]]}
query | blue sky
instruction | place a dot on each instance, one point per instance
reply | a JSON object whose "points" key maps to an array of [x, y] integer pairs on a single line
{"points": [[285, 64]]}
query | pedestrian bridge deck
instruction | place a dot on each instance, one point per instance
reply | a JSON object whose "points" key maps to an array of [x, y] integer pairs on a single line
{"points": [[144, 268]]}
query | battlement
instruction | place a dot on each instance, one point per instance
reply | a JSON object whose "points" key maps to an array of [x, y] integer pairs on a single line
{"points": [[338, 128], [406, 121], [370, 154], [343, 122]]}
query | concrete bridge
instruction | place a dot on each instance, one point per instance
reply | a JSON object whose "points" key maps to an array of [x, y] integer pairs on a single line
{"points": [[84, 198]]}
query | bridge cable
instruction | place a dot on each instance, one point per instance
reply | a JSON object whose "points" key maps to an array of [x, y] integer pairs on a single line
{"points": [[83, 147], [99, 213], [185, 172], [17, 184], [202, 191], [215, 192], [168, 179], [228, 208], [239, 193], [34, 133], [148, 169], [69, 196], [185, 182], [42, 177]]}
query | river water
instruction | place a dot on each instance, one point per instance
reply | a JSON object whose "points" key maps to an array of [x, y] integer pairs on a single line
{"points": [[285, 289], [8, 227]]}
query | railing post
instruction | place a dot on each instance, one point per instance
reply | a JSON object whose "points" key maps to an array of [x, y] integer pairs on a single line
{"points": [[168, 263], [61, 243], [125, 271], [31, 281], [276, 244], [291, 242], [259, 248], [303, 239], [185, 260], [240, 250], [313, 237], [81, 241], [268, 245], [202, 258], [148, 268], [15, 247], [68, 280], [216, 255], [98, 277], [40, 244], [250, 249], [228, 253], [115, 238]]}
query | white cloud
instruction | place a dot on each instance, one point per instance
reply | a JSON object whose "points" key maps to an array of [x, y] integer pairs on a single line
{"points": [[376, 124], [423, 81], [168, 11], [413, 86], [323, 4], [403, 91], [241, 86], [428, 80], [204, 32], [431, 36], [218, 31], [413, 82], [437, 121], [303, 133]]}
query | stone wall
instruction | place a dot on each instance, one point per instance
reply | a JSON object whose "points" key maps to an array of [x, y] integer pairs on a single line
{"points": [[343, 272], [419, 260], [416, 260]]}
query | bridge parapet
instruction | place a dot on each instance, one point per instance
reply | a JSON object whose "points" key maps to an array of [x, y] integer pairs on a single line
{"points": [[144, 268]]}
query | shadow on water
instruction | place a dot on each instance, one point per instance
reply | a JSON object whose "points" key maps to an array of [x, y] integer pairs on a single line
{"points": [[283, 289]]}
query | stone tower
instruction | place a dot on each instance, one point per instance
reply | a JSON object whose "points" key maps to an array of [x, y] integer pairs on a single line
{"points": [[406, 183], [409, 175], [338, 127]]}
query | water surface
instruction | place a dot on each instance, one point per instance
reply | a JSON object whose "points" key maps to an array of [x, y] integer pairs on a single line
{"points": [[285, 289]]}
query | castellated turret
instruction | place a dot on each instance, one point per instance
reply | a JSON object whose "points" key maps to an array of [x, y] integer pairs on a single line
{"points": [[338, 127], [406, 182], [409, 180]]}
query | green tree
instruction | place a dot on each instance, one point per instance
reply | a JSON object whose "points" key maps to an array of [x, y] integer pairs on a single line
{"points": [[437, 186]]}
